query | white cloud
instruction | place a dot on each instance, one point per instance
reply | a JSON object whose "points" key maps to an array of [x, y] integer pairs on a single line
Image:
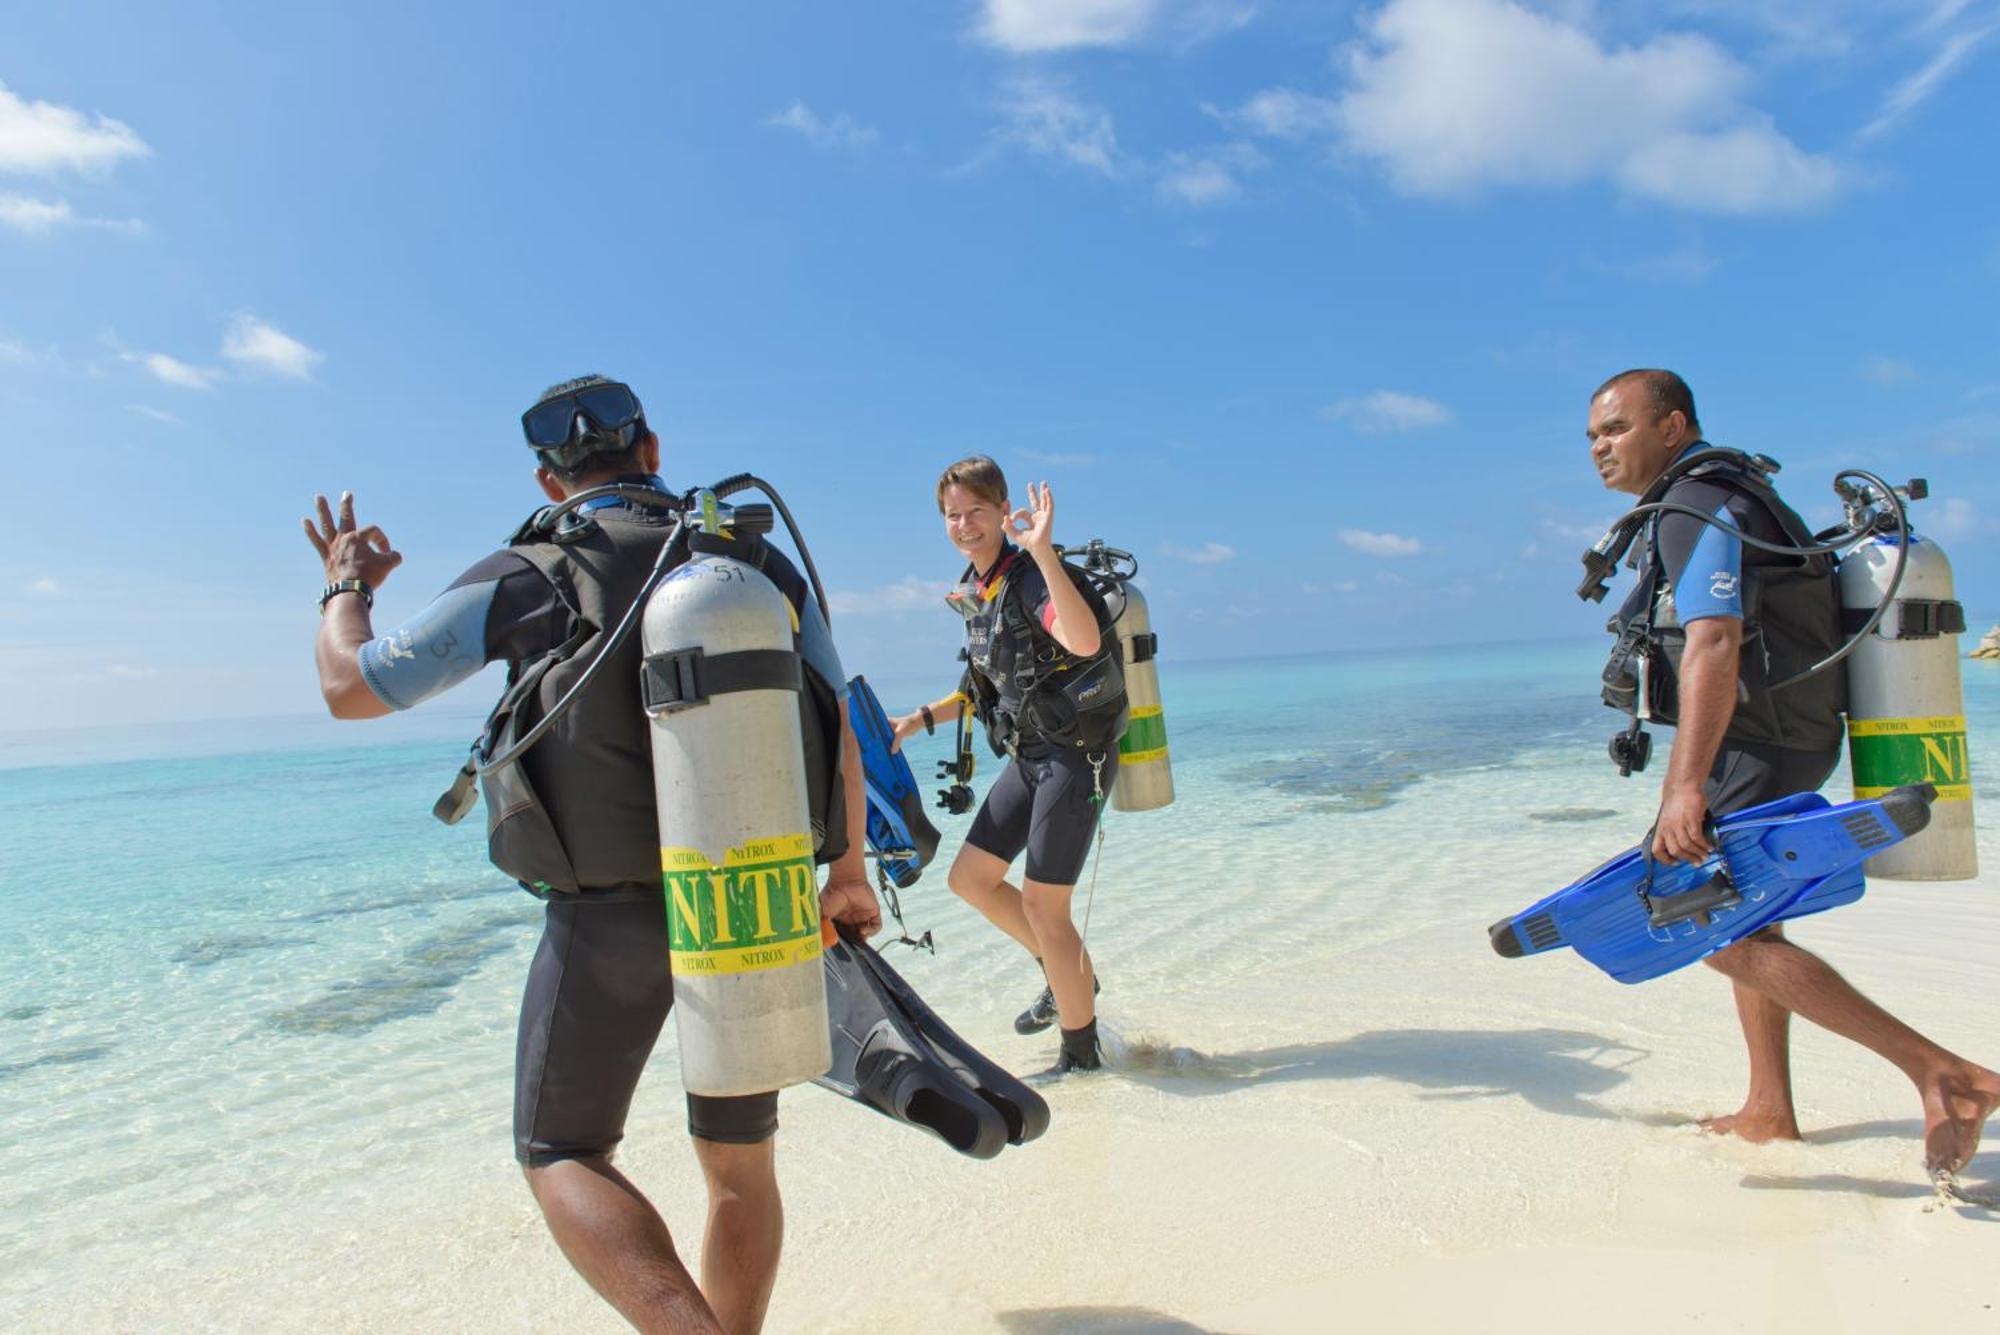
{"points": [[38, 217], [156, 414], [1954, 518], [1450, 97], [842, 131], [41, 138], [15, 353], [1888, 371], [1380, 544], [1284, 113], [1914, 91], [33, 216], [1208, 554], [126, 672], [1208, 177], [173, 371], [253, 343], [908, 594], [1026, 26], [1042, 117], [44, 587], [1386, 411]]}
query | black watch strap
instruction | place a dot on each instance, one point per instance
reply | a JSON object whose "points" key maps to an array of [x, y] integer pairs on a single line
{"points": [[341, 586], [930, 720]]}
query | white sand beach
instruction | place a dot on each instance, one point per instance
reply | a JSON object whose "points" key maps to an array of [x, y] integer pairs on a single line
{"points": [[1335, 1109]]}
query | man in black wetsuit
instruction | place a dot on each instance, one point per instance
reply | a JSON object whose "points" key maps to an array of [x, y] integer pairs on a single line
{"points": [[1045, 666], [1729, 622], [599, 989]]}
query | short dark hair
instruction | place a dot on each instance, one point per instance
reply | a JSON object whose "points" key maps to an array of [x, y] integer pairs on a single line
{"points": [[590, 461], [1667, 392], [978, 475]]}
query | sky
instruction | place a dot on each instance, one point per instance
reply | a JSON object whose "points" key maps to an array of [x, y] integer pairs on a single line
{"points": [[1301, 303]]}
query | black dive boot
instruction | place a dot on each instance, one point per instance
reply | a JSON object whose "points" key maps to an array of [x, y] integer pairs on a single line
{"points": [[1079, 1051], [1041, 1012]]}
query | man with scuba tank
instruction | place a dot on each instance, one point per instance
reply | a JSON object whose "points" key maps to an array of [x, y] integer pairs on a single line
{"points": [[573, 817], [1727, 638], [1043, 675]]}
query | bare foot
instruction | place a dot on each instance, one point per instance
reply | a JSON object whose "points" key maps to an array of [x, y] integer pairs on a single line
{"points": [[1956, 1107], [1756, 1125]]}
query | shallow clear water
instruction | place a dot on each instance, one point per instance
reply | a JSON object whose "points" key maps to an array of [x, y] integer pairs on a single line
{"points": [[243, 964]]}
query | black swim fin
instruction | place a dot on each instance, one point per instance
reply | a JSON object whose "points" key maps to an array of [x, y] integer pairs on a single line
{"points": [[1025, 1111], [883, 1060]]}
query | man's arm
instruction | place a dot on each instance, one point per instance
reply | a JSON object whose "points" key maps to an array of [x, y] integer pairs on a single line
{"points": [[1704, 564], [347, 552], [1707, 702], [848, 896]]}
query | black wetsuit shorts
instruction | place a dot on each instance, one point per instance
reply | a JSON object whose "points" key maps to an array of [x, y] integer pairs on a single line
{"points": [[599, 990], [1748, 774], [1042, 802]]}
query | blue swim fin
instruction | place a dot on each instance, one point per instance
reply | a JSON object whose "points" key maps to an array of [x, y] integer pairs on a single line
{"points": [[892, 1053], [900, 834], [1636, 918]]}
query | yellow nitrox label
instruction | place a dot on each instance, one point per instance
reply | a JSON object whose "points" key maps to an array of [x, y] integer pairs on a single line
{"points": [[1887, 753], [758, 910], [1145, 736]]}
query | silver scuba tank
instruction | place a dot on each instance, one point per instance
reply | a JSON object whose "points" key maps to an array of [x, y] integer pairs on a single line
{"points": [[721, 679], [1906, 709]]}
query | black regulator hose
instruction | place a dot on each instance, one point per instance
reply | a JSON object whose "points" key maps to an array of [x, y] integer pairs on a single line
{"points": [[676, 542], [737, 482], [1835, 540]]}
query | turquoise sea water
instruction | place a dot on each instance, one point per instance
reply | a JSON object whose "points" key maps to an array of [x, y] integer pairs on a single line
{"points": [[243, 960]]}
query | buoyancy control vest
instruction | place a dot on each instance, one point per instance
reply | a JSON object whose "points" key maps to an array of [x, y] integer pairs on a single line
{"points": [[1025, 686], [576, 811], [1791, 621]]}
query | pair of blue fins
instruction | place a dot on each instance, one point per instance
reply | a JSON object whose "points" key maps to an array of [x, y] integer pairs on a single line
{"points": [[891, 1052], [1636, 918]]}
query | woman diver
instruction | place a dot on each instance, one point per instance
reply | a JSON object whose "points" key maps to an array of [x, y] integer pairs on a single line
{"points": [[1043, 674]]}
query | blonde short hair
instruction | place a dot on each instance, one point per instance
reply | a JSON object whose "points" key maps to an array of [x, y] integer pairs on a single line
{"points": [[978, 475]]}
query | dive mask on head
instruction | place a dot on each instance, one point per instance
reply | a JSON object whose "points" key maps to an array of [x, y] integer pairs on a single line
{"points": [[572, 426]]}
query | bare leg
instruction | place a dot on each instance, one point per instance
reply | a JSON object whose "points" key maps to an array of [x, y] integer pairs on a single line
{"points": [[1958, 1095], [620, 1245], [980, 879], [1063, 957], [1767, 1112], [746, 1231]]}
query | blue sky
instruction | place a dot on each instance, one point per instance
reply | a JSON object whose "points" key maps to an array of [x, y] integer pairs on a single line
{"points": [[1302, 303]]}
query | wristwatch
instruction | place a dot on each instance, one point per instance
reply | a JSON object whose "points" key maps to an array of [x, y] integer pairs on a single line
{"points": [[930, 720], [340, 586]]}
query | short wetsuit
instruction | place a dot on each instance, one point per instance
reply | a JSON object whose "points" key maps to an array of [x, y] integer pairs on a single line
{"points": [[599, 988], [1043, 801]]}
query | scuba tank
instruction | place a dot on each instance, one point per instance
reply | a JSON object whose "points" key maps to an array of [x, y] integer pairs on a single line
{"points": [[1145, 773], [720, 685], [721, 681], [1906, 712], [1898, 663]]}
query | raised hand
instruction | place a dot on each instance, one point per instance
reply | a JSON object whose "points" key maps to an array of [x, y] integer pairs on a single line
{"points": [[349, 552], [1035, 527]]}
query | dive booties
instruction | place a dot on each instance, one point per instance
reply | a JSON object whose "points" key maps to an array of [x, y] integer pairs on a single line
{"points": [[892, 1053], [1041, 1012], [1636, 918]]}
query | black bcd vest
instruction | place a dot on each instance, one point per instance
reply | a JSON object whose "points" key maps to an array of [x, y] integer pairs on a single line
{"points": [[1791, 620], [576, 811], [1065, 699]]}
